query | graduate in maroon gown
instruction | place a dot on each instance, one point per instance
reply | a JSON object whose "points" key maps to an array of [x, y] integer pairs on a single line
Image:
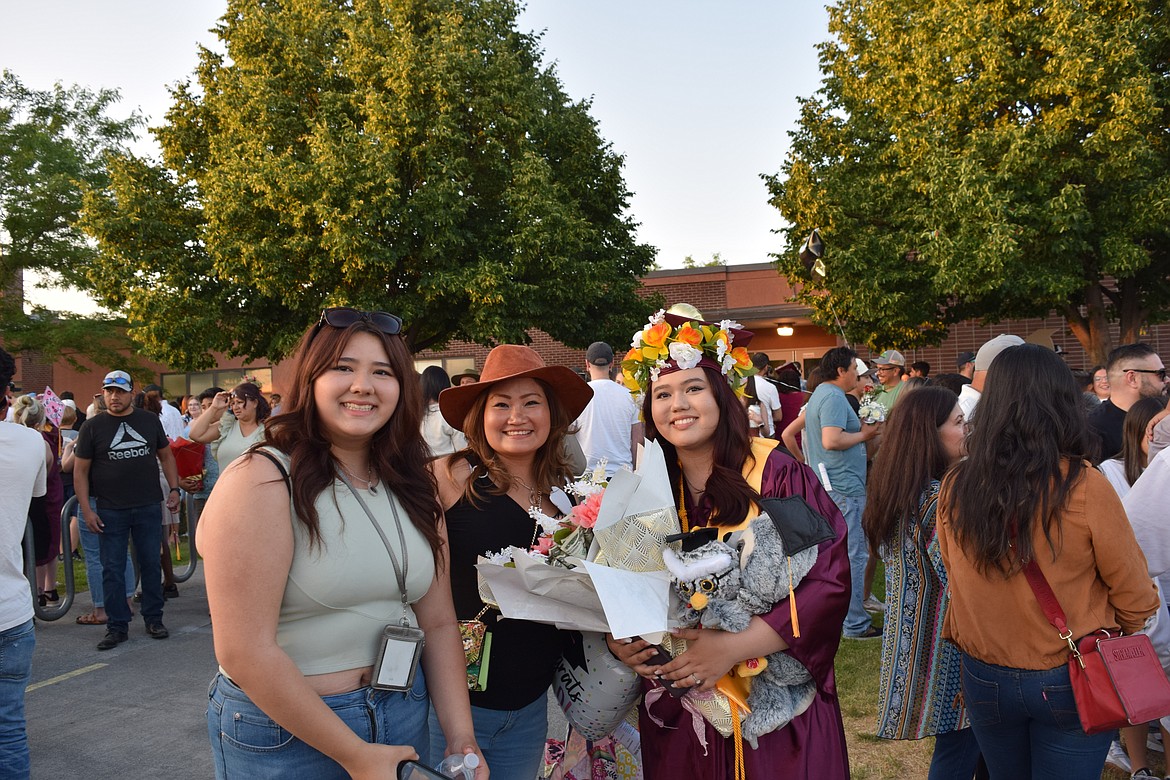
{"points": [[691, 409]]}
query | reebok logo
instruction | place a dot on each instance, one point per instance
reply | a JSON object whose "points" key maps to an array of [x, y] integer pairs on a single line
{"points": [[128, 443]]}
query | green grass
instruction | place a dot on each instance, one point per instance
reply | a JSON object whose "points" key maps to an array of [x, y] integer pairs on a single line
{"points": [[81, 582], [858, 667]]}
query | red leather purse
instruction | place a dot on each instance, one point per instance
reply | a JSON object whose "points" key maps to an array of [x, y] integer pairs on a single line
{"points": [[1116, 680]]}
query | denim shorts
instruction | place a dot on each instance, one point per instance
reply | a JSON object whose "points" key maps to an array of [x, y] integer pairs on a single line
{"points": [[248, 744]]}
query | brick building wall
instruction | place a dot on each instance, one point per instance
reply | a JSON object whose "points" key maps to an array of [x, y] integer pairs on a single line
{"points": [[754, 294]]}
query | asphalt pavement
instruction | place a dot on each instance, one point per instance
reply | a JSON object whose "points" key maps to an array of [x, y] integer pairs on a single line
{"points": [[136, 711]]}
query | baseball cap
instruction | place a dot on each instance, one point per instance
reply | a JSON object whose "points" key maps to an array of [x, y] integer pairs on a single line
{"points": [[599, 354], [118, 380], [990, 351], [891, 357], [862, 368], [964, 358]]}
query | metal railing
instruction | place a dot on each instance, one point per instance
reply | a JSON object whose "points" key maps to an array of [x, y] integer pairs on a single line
{"points": [[184, 574], [58, 610]]}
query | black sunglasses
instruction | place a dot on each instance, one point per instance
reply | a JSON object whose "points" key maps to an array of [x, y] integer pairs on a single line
{"points": [[1158, 372], [343, 317]]}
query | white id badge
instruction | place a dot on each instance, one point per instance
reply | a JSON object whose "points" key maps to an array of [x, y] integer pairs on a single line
{"points": [[398, 658]]}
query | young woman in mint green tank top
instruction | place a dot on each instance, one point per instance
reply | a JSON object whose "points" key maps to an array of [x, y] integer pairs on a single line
{"points": [[316, 541]]}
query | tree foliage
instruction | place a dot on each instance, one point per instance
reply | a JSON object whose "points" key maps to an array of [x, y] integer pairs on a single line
{"points": [[990, 160], [52, 145], [412, 155]]}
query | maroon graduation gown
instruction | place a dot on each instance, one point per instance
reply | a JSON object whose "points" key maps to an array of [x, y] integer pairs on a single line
{"points": [[813, 744]]}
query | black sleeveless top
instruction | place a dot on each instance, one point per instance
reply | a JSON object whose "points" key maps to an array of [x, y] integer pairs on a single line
{"points": [[524, 655]]}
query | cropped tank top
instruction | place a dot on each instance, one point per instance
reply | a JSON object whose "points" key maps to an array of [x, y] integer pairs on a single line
{"points": [[524, 655], [343, 592]]}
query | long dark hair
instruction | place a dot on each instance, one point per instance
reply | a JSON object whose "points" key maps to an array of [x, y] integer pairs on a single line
{"points": [[1027, 449], [398, 453], [728, 497], [434, 381], [911, 456], [550, 466], [1137, 419]]}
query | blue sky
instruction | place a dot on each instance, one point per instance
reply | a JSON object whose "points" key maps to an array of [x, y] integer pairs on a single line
{"points": [[698, 96]]}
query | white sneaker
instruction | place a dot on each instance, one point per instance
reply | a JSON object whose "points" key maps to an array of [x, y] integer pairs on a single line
{"points": [[872, 604], [1117, 757], [1154, 741]]}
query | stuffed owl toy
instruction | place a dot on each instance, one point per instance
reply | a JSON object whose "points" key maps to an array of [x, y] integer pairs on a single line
{"points": [[722, 584]]}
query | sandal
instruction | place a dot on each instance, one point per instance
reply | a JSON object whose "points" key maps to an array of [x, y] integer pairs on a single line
{"points": [[90, 619]]}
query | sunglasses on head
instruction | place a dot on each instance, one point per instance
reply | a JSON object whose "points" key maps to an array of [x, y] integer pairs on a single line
{"points": [[343, 317]]}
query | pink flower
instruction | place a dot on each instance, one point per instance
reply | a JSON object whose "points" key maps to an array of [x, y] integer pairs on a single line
{"points": [[585, 514], [543, 545]]}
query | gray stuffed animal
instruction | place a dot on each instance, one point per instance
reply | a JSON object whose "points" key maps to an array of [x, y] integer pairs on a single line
{"points": [[722, 585]]}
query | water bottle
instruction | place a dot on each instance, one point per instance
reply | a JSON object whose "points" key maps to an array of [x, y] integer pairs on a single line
{"points": [[459, 765]]}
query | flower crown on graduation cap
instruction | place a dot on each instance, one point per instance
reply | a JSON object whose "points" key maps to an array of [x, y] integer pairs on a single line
{"points": [[679, 339]]}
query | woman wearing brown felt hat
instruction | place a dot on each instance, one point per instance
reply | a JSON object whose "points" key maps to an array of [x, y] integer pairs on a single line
{"points": [[515, 420]]}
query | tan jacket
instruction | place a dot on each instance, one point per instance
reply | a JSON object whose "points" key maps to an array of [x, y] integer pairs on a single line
{"points": [[1099, 577]]}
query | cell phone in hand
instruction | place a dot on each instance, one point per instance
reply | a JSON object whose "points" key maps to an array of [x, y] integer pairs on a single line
{"points": [[413, 770], [661, 658]]}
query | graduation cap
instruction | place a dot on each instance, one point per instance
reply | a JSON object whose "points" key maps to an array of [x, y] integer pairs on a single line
{"points": [[811, 252]]}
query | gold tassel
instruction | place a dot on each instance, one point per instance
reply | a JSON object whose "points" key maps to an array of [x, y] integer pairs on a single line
{"points": [[737, 735], [792, 602]]}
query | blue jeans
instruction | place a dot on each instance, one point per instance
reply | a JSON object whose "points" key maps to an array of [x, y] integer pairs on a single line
{"points": [[1027, 725], [512, 741], [857, 620], [248, 744], [144, 524], [91, 543], [956, 754], [16, 652]]}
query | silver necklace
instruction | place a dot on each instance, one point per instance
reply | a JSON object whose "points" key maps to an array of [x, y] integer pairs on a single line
{"points": [[370, 480]]}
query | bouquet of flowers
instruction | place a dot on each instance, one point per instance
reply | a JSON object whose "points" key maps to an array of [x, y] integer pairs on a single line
{"points": [[571, 536], [871, 411]]}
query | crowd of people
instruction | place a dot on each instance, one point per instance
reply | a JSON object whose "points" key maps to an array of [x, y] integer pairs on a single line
{"points": [[382, 489]]}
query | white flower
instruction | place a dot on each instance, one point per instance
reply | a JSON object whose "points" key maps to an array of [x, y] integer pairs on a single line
{"points": [[501, 557], [658, 316], [654, 373], [584, 488], [726, 364], [547, 524], [598, 477], [685, 355], [637, 342], [721, 348], [729, 325], [872, 412]]}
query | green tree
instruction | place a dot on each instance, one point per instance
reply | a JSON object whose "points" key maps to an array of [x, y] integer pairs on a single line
{"points": [[989, 160], [413, 156], [52, 144]]}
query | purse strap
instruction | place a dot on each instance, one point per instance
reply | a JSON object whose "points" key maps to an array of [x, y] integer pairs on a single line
{"points": [[1049, 605]]}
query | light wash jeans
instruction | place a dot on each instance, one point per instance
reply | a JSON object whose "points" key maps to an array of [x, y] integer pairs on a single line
{"points": [[16, 652], [857, 620], [91, 545], [249, 745], [512, 741]]}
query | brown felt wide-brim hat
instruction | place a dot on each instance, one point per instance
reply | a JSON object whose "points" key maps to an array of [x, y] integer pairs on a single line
{"points": [[512, 361]]}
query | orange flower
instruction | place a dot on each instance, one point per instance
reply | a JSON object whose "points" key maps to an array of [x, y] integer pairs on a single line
{"points": [[742, 358], [654, 340], [633, 354], [689, 335]]}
